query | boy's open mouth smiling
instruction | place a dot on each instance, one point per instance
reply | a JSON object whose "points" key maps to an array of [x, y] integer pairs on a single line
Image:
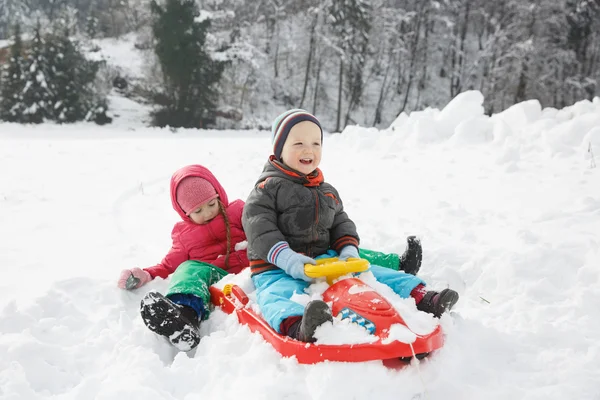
{"points": [[306, 160]]}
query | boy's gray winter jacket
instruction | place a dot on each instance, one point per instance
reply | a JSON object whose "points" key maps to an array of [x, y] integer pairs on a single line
{"points": [[302, 210]]}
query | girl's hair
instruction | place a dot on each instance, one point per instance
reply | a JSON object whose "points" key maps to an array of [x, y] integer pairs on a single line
{"points": [[222, 210]]}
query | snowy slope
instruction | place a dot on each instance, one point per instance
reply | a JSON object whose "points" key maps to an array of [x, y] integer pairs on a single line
{"points": [[508, 209]]}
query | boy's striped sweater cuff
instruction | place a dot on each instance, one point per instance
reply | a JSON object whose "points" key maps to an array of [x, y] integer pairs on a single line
{"points": [[344, 241]]}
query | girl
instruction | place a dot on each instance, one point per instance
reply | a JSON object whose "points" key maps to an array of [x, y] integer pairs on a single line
{"points": [[202, 253]]}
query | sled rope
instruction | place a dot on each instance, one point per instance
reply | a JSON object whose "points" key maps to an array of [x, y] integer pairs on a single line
{"points": [[418, 362]]}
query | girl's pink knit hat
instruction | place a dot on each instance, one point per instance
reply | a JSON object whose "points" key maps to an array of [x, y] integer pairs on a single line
{"points": [[192, 192]]}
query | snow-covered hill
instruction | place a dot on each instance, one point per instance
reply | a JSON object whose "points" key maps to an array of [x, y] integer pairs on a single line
{"points": [[508, 209]]}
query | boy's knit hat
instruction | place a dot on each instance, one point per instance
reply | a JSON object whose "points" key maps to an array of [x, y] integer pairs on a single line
{"points": [[284, 123], [194, 191]]}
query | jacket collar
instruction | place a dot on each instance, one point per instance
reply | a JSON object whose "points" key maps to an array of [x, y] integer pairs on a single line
{"points": [[275, 168]]}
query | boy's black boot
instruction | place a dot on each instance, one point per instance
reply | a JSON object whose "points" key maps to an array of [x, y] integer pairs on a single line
{"points": [[438, 303], [178, 323], [410, 261], [316, 313]]}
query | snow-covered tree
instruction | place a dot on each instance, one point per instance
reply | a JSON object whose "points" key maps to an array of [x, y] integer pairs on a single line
{"points": [[37, 98], [351, 61], [190, 74], [71, 78], [13, 82], [12, 12]]}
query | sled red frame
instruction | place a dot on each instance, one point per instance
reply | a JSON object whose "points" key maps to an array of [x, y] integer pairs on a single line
{"points": [[307, 353]]}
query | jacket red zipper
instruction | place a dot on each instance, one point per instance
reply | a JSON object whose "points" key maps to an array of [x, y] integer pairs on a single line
{"points": [[316, 235]]}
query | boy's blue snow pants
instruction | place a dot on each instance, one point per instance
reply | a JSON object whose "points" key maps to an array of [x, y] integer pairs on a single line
{"points": [[275, 289]]}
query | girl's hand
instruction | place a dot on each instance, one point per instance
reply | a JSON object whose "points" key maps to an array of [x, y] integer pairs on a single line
{"points": [[133, 278]]}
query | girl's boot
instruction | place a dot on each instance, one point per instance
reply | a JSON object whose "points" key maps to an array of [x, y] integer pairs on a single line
{"points": [[438, 303], [410, 261], [178, 323]]}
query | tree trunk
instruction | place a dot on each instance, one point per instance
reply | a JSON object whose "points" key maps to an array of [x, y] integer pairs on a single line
{"points": [[461, 54], [382, 91], [275, 64], [244, 89], [269, 31], [317, 83], [413, 60], [352, 101], [423, 79], [453, 58], [521, 91], [339, 105], [311, 50], [522, 85]]}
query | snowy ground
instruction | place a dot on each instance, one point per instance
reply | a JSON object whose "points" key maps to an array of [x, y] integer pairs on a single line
{"points": [[508, 210]]}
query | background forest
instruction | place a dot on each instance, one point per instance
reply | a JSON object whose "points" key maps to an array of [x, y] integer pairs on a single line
{"points": [[231, 63]]}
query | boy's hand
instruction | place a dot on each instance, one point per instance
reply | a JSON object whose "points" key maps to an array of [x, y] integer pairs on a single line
{"points": [[290, 261], [138, 275], [348, 252]]}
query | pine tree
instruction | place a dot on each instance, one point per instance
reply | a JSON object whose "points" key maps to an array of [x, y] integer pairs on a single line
{"points": [[62, 78], [189, 73], [11, 101], [71, 76], [36, 93]]}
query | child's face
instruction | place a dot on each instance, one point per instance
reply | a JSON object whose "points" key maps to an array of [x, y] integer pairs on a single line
{"points": [[302, 148], [205, 213]]}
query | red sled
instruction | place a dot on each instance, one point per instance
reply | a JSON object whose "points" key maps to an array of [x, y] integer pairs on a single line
{"points": [[351, 299]]}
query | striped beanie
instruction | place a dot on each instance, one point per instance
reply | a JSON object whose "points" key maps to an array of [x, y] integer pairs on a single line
{"points": [[284, 123]]}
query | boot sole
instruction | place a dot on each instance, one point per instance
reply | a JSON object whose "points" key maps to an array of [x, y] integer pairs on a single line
{"points": [[162, 317], [419, 356], [414, 248]]}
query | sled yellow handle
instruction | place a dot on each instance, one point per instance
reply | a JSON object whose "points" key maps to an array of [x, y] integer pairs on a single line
{"points": [[332, 268]]}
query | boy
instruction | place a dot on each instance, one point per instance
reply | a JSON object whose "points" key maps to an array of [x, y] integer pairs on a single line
{"points": [[293, 215]]}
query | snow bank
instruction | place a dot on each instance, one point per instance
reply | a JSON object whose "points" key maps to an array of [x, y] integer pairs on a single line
{"points": [[462, 122]]}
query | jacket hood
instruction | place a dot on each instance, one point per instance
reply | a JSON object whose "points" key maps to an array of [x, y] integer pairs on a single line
{"points": [[200, 172]]}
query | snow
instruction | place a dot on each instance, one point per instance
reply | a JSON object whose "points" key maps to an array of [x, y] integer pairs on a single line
{"points": [[128, 114], [121, 54], [464, 106], [507, 207]]}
